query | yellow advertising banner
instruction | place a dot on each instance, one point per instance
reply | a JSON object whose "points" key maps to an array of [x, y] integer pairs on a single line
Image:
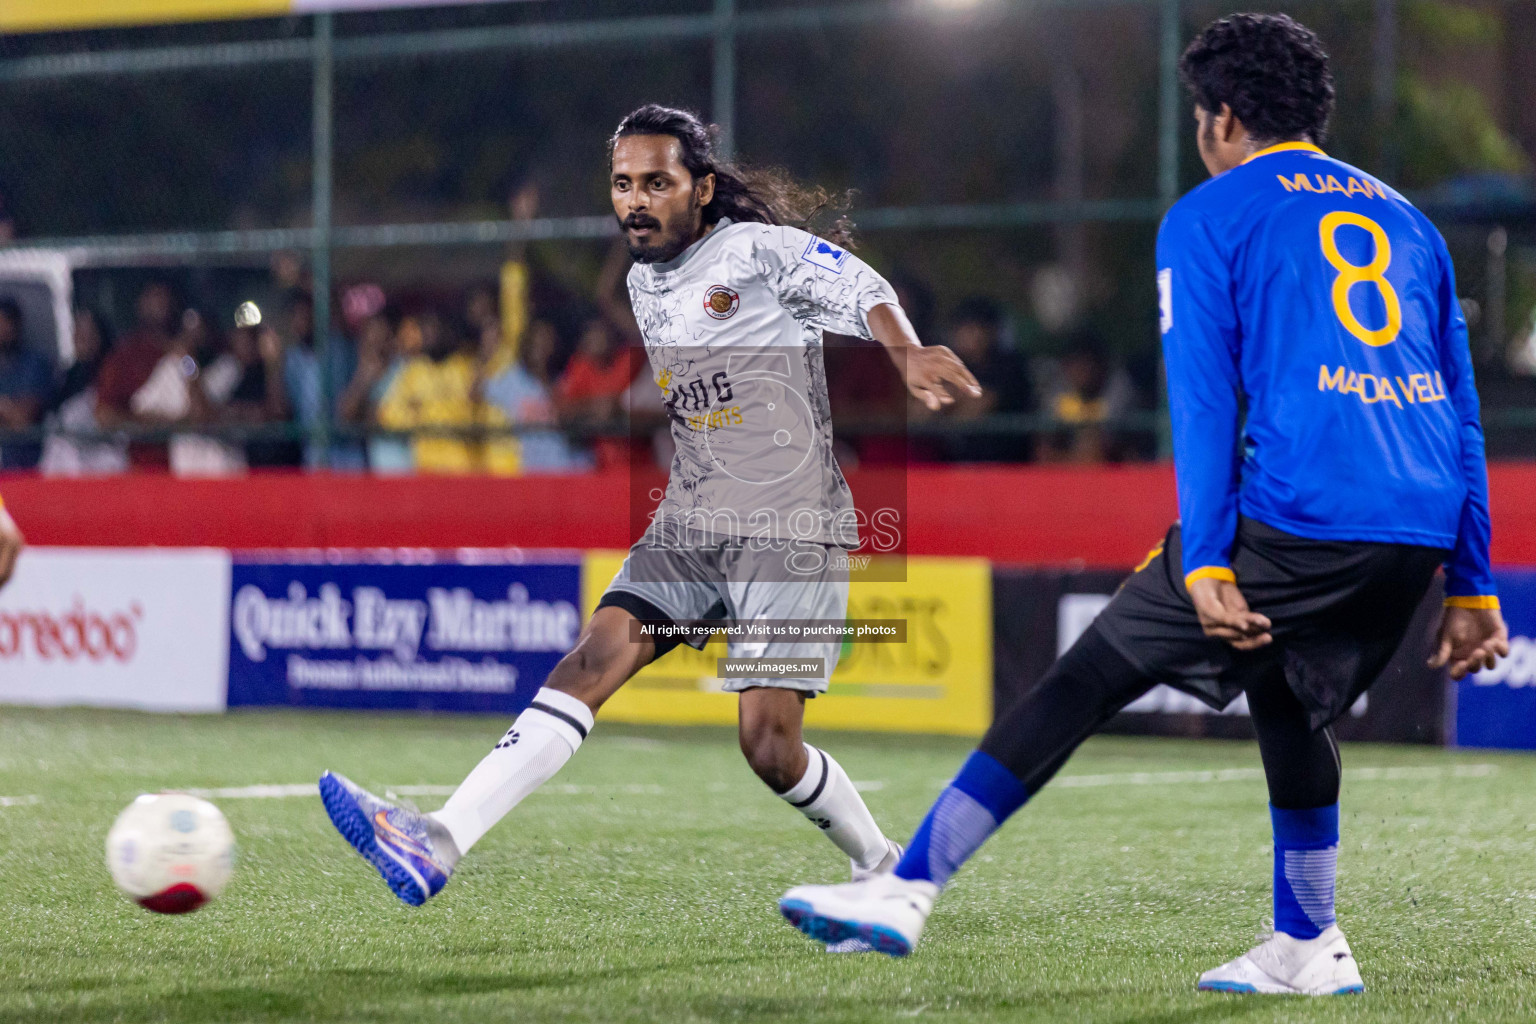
{"points": [[938, 681], [48, 15], [62, 15]]}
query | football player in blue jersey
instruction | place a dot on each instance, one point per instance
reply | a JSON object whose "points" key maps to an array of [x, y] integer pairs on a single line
{"points": [[1330, 463]]}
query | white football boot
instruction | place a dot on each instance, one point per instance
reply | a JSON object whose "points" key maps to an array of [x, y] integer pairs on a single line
{"points": [[1282, 965], [886, 866], [886, 912]]}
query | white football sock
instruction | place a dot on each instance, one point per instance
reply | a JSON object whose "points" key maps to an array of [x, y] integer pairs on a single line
{"points": [[541, 740], [826, 796]]}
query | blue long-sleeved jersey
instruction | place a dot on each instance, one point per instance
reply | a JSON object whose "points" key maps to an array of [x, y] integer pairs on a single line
{"points": [[1318, 298]]}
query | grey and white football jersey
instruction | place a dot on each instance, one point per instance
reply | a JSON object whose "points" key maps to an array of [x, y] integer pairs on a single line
{"points": [[733, 330]]}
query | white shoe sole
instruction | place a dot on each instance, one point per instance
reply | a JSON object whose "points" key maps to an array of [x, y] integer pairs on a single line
{"points": [[1268, 985], [1244, 988]]}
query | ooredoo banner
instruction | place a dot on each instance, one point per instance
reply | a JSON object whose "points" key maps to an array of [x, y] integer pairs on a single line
{"points": [[477, 631], [116, 628]]}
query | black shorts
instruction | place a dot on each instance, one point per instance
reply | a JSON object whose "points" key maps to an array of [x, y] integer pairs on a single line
{"points": [[1339, 611]]}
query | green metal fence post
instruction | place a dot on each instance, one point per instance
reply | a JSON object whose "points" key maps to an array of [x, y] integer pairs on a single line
{"points": [[320, 250], [1168, 104], [1167, 161], [724, 98], [1384, 85]]}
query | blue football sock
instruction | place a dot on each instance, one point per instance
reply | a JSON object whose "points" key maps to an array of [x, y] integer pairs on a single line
{"points": [[969, 810], [1306, 864]]}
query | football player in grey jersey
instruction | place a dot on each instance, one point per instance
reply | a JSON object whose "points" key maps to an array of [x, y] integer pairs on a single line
{"points": [[756, 521]]}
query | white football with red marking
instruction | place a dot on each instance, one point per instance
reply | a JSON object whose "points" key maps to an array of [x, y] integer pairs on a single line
{"points": [[170, 852]]}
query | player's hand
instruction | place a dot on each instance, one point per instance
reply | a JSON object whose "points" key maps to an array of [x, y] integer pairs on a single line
{"points": [[1224, 614], [1471, 639], [934, 373], [11, 543]]}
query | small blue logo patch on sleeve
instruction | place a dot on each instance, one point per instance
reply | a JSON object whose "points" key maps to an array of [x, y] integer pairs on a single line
{"points": [[825, 255]]}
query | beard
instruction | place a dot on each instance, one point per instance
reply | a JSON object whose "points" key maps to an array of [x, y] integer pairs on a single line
{"points": [[660, 248]]}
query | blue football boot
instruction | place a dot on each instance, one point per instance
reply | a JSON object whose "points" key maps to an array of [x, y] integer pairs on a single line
{"points": [[413, 852]]}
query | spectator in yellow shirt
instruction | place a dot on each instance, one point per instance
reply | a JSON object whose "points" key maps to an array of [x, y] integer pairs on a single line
{"points": [[437, 393]]}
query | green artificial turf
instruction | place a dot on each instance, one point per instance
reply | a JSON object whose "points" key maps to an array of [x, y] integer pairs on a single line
{"points": [[640, 885]]}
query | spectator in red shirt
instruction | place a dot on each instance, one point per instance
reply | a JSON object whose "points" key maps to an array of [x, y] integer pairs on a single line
{"points": [[128, 367], [591, 390]]}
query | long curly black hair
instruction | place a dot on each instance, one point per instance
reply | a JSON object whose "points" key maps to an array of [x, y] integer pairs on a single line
{"points": [[760, 195], [1271, 70]]}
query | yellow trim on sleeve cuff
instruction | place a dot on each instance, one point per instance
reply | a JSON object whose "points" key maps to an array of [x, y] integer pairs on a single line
{"points": [[1211, 572], [1481, 601]]}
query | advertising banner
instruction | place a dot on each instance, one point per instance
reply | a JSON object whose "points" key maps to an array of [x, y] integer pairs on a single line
{"points": [[1497, 708], [1040, 613], [42, 15], [116, 628], [471, 632], [939, 680]]}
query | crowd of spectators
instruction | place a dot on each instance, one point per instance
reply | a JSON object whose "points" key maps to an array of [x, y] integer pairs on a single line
{"points": [[493, 383]]}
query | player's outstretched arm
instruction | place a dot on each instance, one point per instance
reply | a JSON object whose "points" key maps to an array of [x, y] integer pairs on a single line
{"points": [[932, 373], [1472, 631], [11, 543]]}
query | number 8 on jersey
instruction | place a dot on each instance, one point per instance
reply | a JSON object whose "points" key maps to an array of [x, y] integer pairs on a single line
{"points": [[1351, 274]]}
